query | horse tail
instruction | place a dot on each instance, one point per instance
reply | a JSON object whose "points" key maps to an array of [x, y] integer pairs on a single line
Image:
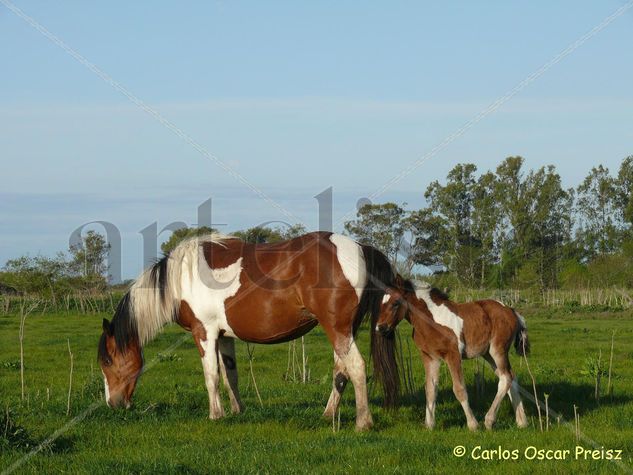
{"points": [[521, 341], [383, 348]]}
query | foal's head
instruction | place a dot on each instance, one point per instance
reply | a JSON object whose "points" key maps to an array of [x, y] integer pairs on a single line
{"points": [[121, 363], [392, 311]]}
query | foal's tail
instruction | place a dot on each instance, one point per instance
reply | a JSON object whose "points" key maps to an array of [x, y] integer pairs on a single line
{"points": [[521, 341], [383, 348]]}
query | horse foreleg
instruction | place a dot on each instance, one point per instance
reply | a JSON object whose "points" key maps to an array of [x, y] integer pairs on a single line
{"points": [[210, 365], [454, 362], [432, 373], [504, 373], [339, 381], [228, 367]]}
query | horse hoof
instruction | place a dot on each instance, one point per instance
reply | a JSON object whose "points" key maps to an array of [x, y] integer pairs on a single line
{"points": [[364, 426], [473, 427]]}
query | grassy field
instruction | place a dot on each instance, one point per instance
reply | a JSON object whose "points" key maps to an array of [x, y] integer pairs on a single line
{"points": [[167, 430]]}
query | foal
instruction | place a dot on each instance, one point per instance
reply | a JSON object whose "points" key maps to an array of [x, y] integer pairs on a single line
{"points": [[452, 332]]}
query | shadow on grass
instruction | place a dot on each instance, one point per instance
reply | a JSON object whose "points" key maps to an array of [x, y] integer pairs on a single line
{"points": [[562, 397], [305, 412]]}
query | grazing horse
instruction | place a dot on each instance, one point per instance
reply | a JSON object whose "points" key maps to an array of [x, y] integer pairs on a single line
{"points": [[452, 331], [220, 288]]}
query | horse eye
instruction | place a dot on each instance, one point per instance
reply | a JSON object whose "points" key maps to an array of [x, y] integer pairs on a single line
{"points": [[107, 362]]}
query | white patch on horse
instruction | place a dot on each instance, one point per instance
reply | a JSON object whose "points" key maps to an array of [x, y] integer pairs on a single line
{"points": [[206, 291], [352, 262], [500, 302], [107, 387], [386, 298], [151, 312], [443, 315]]}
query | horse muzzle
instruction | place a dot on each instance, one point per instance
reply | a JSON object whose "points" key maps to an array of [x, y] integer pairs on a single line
{"points": [[118, 401], [385, 330]]}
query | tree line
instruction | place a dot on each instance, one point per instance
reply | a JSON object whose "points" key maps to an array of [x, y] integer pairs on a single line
{"points": [[507, 228], [84, 267], [512, 228]]}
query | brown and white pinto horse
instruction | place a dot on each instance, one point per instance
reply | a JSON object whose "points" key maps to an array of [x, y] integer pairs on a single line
{"points": [[220, 288], [454, 331]]}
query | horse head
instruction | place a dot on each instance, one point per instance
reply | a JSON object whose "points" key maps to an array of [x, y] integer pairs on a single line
{"points": [[121, 363]]}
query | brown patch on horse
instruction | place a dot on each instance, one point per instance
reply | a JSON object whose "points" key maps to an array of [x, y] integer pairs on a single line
{"points": [[505, 323], [269, 306], [187, 319]]}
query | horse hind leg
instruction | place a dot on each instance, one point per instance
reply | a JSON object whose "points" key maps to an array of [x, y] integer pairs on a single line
{"points": [[431, 373], [340, 377], [501, 364], [517, 404], [454, 363], [514, 395], [228, 368], [352, 361]]}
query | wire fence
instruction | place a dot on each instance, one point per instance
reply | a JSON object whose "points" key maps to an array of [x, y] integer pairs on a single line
{"points": [[106, 302], [607, 298]]}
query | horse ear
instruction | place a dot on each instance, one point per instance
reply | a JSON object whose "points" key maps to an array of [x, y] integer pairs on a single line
{"points": [[107, 327]]}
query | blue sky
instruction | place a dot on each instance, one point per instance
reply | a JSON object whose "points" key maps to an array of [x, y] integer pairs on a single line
{"points": [[296, 97]]}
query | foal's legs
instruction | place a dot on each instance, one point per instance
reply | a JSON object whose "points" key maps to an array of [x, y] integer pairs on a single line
{"points": [[514, 395], [432, 373], [339, 381], [454, 362], [228, 367], [517, 404], [504, 373]]}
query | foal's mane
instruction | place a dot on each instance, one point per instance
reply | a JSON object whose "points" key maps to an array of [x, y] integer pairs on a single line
{"points": [[437, 293], [408, 287]]}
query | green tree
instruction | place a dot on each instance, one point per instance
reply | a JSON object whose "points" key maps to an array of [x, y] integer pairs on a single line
{"points": [[454, 203], [183, 233], [89, 258], [263, 234], [510, 194], [597, 204], [550, 222], [380, 225], [37, 275], [424, 232], [624, 191], [486, 216]]}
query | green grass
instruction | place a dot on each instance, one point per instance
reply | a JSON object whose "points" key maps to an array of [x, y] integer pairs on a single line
{"points": [[167, 430]]}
